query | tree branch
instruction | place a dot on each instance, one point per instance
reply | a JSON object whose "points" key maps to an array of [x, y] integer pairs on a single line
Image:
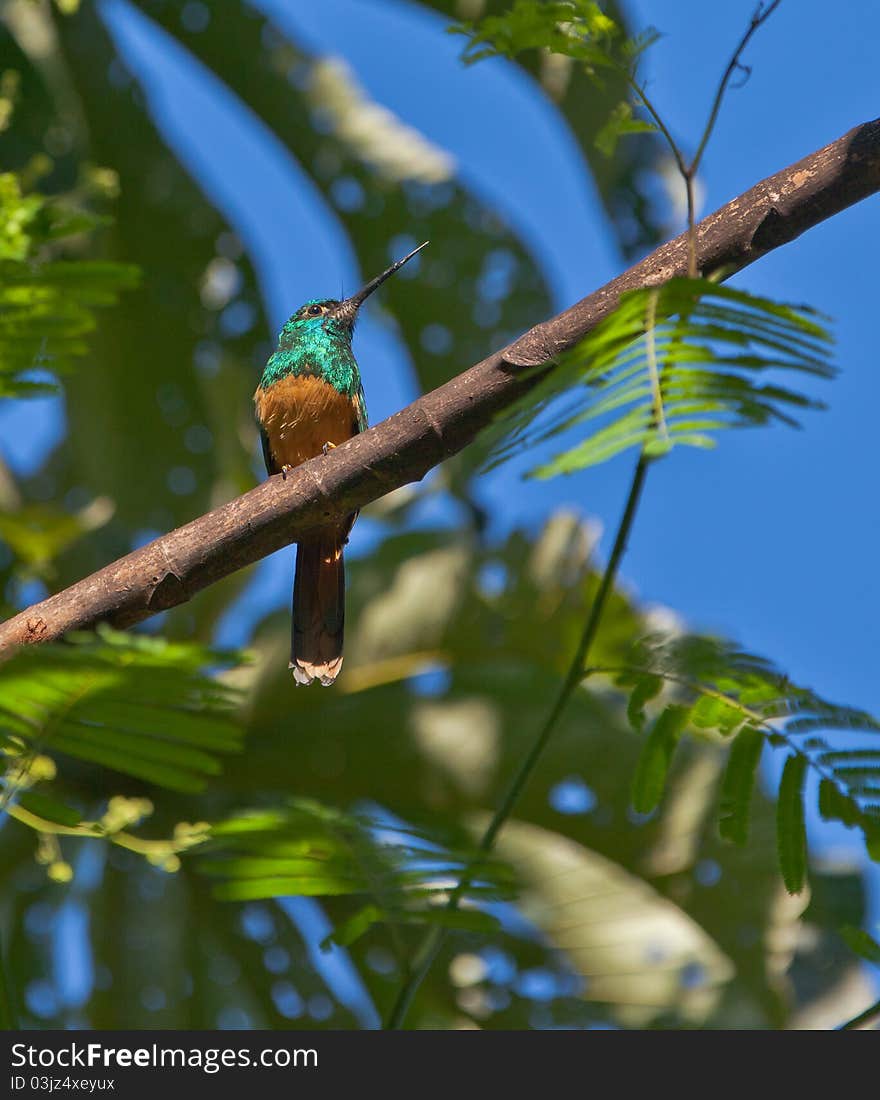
{"points": [[403, 448]]}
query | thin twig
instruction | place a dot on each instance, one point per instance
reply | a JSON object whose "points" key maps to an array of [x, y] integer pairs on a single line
{"points": [[666, 133], [688, 169], [760, 16], [427, 951], [689, 173]]}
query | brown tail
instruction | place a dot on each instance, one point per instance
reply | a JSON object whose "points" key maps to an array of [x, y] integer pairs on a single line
{"points": [[318, 609]]}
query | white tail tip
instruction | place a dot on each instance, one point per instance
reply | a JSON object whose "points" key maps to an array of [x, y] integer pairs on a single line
{"points": [[305, 673]]}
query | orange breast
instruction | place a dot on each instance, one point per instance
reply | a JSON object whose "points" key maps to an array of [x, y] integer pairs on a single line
{"points": [[299, 414]]}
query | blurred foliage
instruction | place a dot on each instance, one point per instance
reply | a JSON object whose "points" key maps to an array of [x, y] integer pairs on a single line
{"points": [[46, 304], [310, 850], [37, 533], [141, 706], [576, 29], [439, 702], [445, 756], [183, 908], [624, 173], [575, 34]]}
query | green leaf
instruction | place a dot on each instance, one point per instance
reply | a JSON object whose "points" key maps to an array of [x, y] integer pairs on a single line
{"points": [[646, 689], [578, 29], [791, 832], [652, 769], [710, 712], [864, 945], [459, 920], [48, 808], [834, 805], [345, 934], [738, 784], [620, 122]]}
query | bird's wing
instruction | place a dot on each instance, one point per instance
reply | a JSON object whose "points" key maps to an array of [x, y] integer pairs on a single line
{"points": [[360, 410], [268, 457]]}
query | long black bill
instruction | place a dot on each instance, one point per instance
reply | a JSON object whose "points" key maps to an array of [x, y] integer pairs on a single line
{"points": [[347, 309]]}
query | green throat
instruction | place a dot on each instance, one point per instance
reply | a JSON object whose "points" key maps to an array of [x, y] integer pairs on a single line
{"points": [[316, 346]]}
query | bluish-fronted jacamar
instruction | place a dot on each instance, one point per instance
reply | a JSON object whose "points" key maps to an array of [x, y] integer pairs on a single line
{"points": [[310, 399]]}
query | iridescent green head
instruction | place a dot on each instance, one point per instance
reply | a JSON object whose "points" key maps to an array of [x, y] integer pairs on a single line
{"points": [[317, 338], [318, 319]]}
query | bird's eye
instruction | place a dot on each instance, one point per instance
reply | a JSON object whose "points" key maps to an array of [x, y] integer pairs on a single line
{"points": [[315, 311]]}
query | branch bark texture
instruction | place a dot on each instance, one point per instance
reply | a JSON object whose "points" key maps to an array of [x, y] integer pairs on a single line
{"points": [[403, 448]]}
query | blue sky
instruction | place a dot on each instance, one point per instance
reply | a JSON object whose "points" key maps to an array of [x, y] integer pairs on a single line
{"points": [[772, 538]]}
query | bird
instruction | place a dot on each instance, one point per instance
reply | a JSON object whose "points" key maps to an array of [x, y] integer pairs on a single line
{"points": [[309, 400]]}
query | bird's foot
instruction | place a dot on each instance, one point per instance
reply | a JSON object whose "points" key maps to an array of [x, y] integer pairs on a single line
{"points": [[328, 447], [285, 470]]}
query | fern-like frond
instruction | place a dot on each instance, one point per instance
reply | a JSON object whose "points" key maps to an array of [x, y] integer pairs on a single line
{"points": [[46, 303], [672, 366], [403, 875], [707, 686], [142, 706]]}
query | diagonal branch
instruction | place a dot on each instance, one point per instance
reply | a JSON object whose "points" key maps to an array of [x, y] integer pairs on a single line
{"points": [[403, 448]]}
